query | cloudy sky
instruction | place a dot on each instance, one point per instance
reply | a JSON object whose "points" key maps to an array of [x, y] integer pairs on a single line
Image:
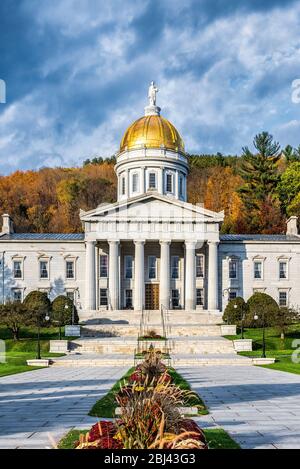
{"points": [[77, 73]]}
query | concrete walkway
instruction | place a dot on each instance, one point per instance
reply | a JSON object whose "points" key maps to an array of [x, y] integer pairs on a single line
{"points": [[36, 404], [258, 407]]}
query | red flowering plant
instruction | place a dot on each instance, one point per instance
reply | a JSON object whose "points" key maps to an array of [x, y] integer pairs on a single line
{"points": [[103, 435]]}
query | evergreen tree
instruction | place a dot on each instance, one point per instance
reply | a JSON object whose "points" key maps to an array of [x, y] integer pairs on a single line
{"points": [[260, 174]]}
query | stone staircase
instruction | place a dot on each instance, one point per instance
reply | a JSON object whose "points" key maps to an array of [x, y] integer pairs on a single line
{"points": [[194, 338]]}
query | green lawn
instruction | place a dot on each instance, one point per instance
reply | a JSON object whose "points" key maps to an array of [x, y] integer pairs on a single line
{"points": [[105, 407], [217, 438], [17, 352], [275, 347]]}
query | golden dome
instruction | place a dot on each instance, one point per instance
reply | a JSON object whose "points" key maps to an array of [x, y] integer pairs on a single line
{"points": [[152, 131]]}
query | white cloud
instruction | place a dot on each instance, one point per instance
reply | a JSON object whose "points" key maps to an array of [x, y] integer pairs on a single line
{"points": [[219, 84]]}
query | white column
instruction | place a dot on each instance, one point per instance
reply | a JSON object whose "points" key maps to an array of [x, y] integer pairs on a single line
{"points": [[113, 274], [160, 181], [176, 176], [90, 276], [142, 188], [190, 275], [127, 184], [213, 275], [139, 274], [164, 280]]}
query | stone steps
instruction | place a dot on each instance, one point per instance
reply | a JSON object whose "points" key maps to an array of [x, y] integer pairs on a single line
{"points": [[177, 330], [176, 361], [153, 317], [211, 360], [128, 345]]}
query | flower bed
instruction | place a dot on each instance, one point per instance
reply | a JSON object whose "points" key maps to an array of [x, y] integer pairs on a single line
{"points": [[149, 418]]}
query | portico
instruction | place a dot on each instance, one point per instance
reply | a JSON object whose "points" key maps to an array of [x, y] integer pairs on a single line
{"points": [[150, 274]]}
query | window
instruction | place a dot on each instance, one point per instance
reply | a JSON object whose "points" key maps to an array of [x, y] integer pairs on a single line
{"points": [[199, 266], [103, 265], [169, 183], [135, 180], [175, 267], [103, 297], [17, 295], [17, 269], [151, 267], [258, 269], [44, 269], [199, 297], [175, 298], [232, 295], [180, 186], [283, 269], [128, 299], [232, 268], [283, 298], [70, 273], [123, 185], [128, 266], [152, 181]]}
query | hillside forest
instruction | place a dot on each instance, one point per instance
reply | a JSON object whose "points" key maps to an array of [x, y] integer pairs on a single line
{"points": [[258, 190]]}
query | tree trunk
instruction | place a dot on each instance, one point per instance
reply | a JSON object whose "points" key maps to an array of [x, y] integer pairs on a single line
{"points": [[59, 332], [15, 333], [282, 335]]}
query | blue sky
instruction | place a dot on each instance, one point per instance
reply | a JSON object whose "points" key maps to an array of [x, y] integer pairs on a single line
{"points": [[77, 73]]}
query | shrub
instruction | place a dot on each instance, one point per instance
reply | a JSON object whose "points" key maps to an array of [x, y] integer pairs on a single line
{"points": [[62, 315], [38, 307], [261, 304], [234, 315]]}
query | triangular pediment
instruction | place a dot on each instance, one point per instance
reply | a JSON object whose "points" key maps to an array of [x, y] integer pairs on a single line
{"points": [[151, 207]]}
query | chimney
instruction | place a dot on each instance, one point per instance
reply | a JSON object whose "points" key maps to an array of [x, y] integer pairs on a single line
{"points": [[7, 226], [291, 226]]}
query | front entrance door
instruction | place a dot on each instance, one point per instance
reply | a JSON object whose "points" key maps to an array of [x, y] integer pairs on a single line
{"points": [[152, 296]]}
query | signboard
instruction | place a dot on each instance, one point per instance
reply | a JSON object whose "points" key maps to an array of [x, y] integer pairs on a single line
{"points": [[72, 331]]}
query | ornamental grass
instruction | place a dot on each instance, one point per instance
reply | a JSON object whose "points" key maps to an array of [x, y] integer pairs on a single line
{"points": [[149, 417]]}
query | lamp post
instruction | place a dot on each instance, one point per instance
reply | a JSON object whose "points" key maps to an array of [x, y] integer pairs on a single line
{"points": [[263, 355], [38, 352], [67, 307]]}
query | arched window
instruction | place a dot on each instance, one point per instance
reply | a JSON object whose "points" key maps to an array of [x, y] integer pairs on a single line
{"points": [[180, 186], [169, 182], [152, 180], [123, 185], [135, 182]]}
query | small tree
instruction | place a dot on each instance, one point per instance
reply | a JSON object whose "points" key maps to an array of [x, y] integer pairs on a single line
{"points": [[265, 307], [235, 310], [37, 301], [14, 315], [284, 318], [63, 311]]}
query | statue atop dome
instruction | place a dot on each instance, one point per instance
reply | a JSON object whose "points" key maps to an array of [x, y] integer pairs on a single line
{"points": [[153, 90]]}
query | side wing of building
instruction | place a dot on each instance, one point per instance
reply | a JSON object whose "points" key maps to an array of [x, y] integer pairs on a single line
{"points": [[260, 263], [54, 263]]}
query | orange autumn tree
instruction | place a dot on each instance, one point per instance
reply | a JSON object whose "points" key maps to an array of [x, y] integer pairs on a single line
{"points": [[221, 195], [49, 200]]}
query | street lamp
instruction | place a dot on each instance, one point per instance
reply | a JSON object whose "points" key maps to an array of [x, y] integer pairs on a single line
{"points": [[38, 352], [263, 355], [67, 307]]}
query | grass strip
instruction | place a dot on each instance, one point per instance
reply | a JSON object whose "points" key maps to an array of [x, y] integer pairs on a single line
{"points": [[217, 438]]}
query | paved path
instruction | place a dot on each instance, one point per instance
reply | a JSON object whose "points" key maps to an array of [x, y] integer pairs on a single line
{"points": [[50, 401], [259, 407]]}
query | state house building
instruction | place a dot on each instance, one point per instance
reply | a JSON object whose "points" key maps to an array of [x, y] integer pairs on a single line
{"points": [[151, 248]]}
